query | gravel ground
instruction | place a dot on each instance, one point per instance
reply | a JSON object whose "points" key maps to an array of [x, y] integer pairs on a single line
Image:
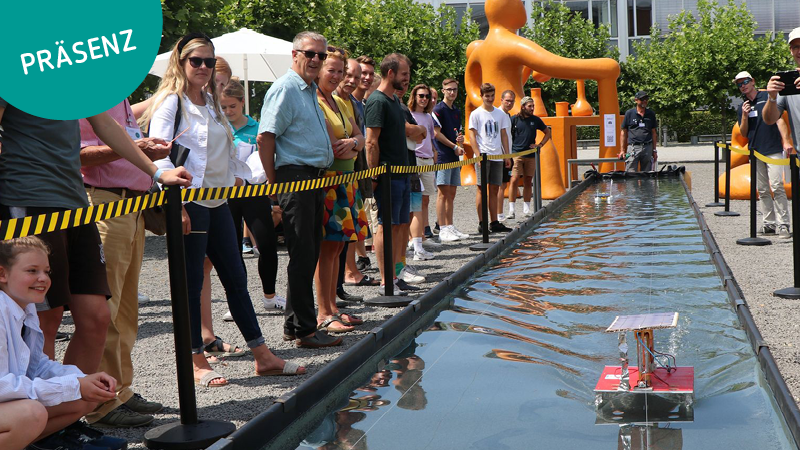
{"points": [[247, 395]]}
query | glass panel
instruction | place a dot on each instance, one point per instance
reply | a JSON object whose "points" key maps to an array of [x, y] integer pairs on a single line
{"points": [[631, 28], [580, 8], [787, 15], [644, 17], [613, 16], [460, 8], [479, 16]]}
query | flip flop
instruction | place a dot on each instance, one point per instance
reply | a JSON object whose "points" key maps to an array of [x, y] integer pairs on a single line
{"points": [[326, 325], [351, 319], [365, 281], [289, 369], [206, 380], [217, 348]]}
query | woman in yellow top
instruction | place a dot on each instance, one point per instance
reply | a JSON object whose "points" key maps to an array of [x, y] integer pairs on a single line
{"points": [[344, 219]]}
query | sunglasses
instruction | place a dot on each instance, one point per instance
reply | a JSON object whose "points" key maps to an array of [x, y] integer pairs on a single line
{"points": [[311, 53], [332, 49], [743, 83], [196, 62], [423, 95]]}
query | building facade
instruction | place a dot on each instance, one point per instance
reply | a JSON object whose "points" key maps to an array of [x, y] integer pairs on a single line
{"points": [[631, 20]]}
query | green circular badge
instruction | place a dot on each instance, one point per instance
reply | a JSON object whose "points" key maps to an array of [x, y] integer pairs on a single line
{"points": [[70, 60]]}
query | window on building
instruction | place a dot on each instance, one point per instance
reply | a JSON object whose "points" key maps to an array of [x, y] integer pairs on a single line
{"points": [[640, 17], [461, 9], [605, 13], [787, 15], [580, 8], [479, 17]]}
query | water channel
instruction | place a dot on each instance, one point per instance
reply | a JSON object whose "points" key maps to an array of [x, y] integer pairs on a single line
{"points": [[512, 364]]}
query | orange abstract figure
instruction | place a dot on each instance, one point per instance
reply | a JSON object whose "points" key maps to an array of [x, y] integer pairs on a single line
{"points": [[507, 61]]}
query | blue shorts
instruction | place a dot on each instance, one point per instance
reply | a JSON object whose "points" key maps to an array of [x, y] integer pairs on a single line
{"points": [[401, 201], [449, 177], [416, 202]]}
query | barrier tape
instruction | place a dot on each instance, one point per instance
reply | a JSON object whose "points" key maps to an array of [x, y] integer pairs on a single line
{"points": [[62, 220], [512, 155], [763, 158]]}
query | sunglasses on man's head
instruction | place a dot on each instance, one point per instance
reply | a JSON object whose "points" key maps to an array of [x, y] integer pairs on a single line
{"points": [[743, 82], [196, 62], [310, 54], [332, 49]]}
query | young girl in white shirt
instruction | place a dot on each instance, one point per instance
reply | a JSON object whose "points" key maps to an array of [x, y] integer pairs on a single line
{"points": [[38, 397]]}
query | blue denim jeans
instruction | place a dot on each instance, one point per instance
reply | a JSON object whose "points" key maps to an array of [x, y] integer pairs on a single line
{"points": [[213, 234]]}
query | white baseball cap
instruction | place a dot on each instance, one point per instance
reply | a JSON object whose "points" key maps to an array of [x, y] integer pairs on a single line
{"points": [[795, 34], [742, 75]]}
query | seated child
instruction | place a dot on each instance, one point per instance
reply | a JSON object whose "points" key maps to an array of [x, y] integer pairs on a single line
{"points": [[39, 398]]}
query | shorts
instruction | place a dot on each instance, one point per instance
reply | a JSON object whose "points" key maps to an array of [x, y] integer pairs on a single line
{"points": [[401, 201], [449, 177], [77, 261], [415, 205], [495, 172], [507, 172], [428, 179], [524, 166], [344, 218]]}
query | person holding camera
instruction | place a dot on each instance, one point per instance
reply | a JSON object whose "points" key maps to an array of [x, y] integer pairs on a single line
{"points": [[778, 100], [770, 141], [638, 136]]}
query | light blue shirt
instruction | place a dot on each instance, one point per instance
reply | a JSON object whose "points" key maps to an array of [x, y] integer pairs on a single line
{"points": [[292, 114], [25, 371]]}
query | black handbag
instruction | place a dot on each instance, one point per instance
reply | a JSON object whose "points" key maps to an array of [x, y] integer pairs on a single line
{"points": [[155, 220]]}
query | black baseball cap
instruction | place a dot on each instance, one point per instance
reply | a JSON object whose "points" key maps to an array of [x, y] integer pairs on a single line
{"points": [[640, 95]]}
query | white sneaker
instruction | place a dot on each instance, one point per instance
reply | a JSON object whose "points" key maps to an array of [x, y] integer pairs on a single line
{"points": [[409, 277], [227, 317], [510, 215], [501, 217], [447, 235], [143, 298], [458, 233], [424, 255], [526, 209], [276, 303]]}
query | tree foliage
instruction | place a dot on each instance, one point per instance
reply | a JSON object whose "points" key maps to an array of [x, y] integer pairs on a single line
{"points": [[563, 32], [692, 66]]}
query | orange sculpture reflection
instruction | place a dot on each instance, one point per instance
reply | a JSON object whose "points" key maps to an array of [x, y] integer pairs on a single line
{"points": [[507, 60]]}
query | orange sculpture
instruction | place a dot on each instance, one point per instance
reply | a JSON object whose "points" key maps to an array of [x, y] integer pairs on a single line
{"points": [[507, 60], [582, 106], [740, 168]]}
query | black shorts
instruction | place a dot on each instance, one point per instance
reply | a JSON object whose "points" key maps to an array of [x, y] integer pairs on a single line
{"points": [[77, 261]]}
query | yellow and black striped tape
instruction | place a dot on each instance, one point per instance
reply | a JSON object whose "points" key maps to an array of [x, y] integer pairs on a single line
{"points": [[512, 155], [44, 223]]}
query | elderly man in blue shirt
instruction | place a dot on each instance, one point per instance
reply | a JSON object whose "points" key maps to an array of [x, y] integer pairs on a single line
{"points": [[294, 145]]}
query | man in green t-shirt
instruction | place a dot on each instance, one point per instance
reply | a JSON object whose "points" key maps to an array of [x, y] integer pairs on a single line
{"points": [[386, 142]]}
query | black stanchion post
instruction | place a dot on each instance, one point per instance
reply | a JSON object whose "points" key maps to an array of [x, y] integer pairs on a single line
{"points": [[794, 291], [482, 246], [537, 182], [716, 201], [388, 298], [753, 240], [727, 212], [189, 432]]}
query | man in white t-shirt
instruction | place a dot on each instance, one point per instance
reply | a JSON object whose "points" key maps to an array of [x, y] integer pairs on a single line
{"points": [[488, 128]]}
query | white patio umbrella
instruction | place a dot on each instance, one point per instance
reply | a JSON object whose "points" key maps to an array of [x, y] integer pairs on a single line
{"points": [[252, 56]]}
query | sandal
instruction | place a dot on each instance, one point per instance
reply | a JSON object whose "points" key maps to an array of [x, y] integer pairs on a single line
{"points": [[206, 380], [289, 368], [326, 325], [365, 281], [217, 348], [349, 319]]}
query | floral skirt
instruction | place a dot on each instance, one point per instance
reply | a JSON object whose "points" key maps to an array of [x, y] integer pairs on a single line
{"points": [[344, 219]]}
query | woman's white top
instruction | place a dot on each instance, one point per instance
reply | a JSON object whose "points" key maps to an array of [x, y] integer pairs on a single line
{"points": [[208, 155]]}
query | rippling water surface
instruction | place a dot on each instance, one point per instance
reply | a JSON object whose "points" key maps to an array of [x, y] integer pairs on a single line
{"points": [[513, 364]]}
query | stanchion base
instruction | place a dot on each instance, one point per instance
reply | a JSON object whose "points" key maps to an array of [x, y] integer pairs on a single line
{"points": [[790, 292], [480, 247], [178, 436], [389, 301], [727, 213], [714, 204], [753, 241]]}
